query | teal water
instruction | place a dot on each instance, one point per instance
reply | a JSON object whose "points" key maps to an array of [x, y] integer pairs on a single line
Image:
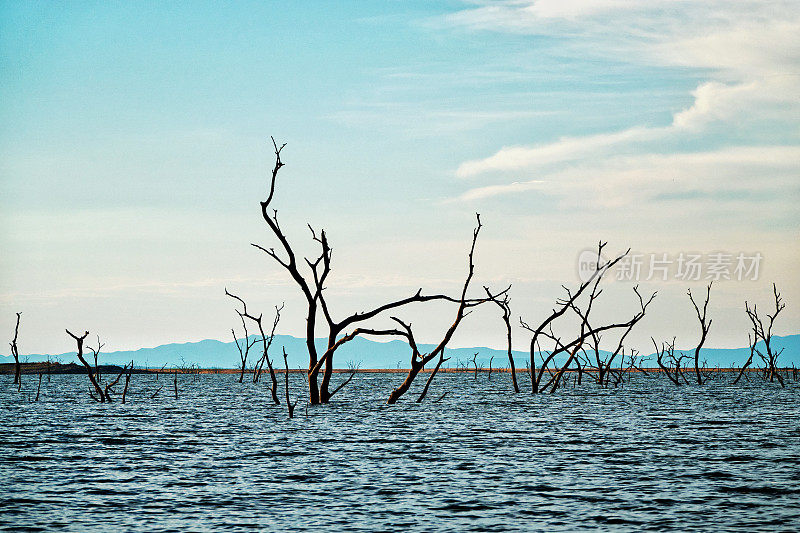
{"points": [[646, 456]]}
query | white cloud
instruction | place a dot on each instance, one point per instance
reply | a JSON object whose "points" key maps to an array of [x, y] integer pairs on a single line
{"points": [[748, 51], [637, 180]]}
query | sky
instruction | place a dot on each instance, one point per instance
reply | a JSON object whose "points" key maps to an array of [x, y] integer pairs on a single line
{"points": [[134, 151]]}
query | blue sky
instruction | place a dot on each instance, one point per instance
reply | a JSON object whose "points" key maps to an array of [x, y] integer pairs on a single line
{"points": [[133, 152]]}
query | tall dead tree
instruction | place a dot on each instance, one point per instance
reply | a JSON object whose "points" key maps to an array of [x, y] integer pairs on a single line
{"points": [[312, 285], [763, 333], [266, 342], [705, 325], [419, 360], [505, 306], [15, 353], [575, 343]]}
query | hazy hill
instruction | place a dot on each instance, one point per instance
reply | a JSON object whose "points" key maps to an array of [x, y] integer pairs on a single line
{"points": [[370, 354]]}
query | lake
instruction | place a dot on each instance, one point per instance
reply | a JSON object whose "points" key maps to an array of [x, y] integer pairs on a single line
{"points": [[646, 456]]}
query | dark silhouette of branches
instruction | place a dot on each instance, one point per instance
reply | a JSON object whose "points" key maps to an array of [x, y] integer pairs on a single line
{"points": [[419, 360], [705, 325], [669, 362], [312, 286], [100, 397], [505, 306], [266, 342], [243, 346], [571, 348], [289, 404], [442, 359], [15, 353], [763, 333]]}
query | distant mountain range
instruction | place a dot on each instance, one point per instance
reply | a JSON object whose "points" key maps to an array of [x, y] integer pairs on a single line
{"points": [[367, 353]]}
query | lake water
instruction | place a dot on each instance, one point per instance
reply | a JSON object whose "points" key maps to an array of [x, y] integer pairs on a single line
{"points": [[646, 456]]}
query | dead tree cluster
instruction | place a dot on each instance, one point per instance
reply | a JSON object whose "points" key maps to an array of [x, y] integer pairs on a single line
{"points": [[575, 347], [570, 342]]}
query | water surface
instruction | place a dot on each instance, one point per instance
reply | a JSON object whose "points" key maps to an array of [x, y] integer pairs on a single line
{"points": [[647, 456]]}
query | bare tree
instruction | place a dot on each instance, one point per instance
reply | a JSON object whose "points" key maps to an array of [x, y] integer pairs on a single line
{"points": [[79, 340], [603, 359], [289, 405], [99, 394], [39, 388], [95, 353], [127, 381], [763, 333], [571, 348], [442, 359], [669, 362], [505, 306], [475, 364], [419, 360], [243, 346], [705, 325], [312, 287], [266, 342], [15, 353]]}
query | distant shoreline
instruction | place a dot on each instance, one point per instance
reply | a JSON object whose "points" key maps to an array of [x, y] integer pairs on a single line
{"points": [[74, 368]]}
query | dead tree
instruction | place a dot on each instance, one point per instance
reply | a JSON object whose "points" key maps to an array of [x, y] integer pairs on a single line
{"points": [[505, 307], [604, 360], [243, 346], [419, 360], [15, 353], [475, 364], [266, 342], [748, 362], [95, 353], [705, 325], [289, 405], [490, 368], [39, 388], [670, 363], [442, 359], [127, 382], [571, 348], [763, 333], [100, 397], [312, 286]]}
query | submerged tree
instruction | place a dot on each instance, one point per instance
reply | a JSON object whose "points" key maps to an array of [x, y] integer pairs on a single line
{"points": [[419, 360], [100, 394], [586, 332], [15, 353], [763, 333], [266, 342], [705, 325], [505, 306], [669, 362], [312, 285], [243, 346]]}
